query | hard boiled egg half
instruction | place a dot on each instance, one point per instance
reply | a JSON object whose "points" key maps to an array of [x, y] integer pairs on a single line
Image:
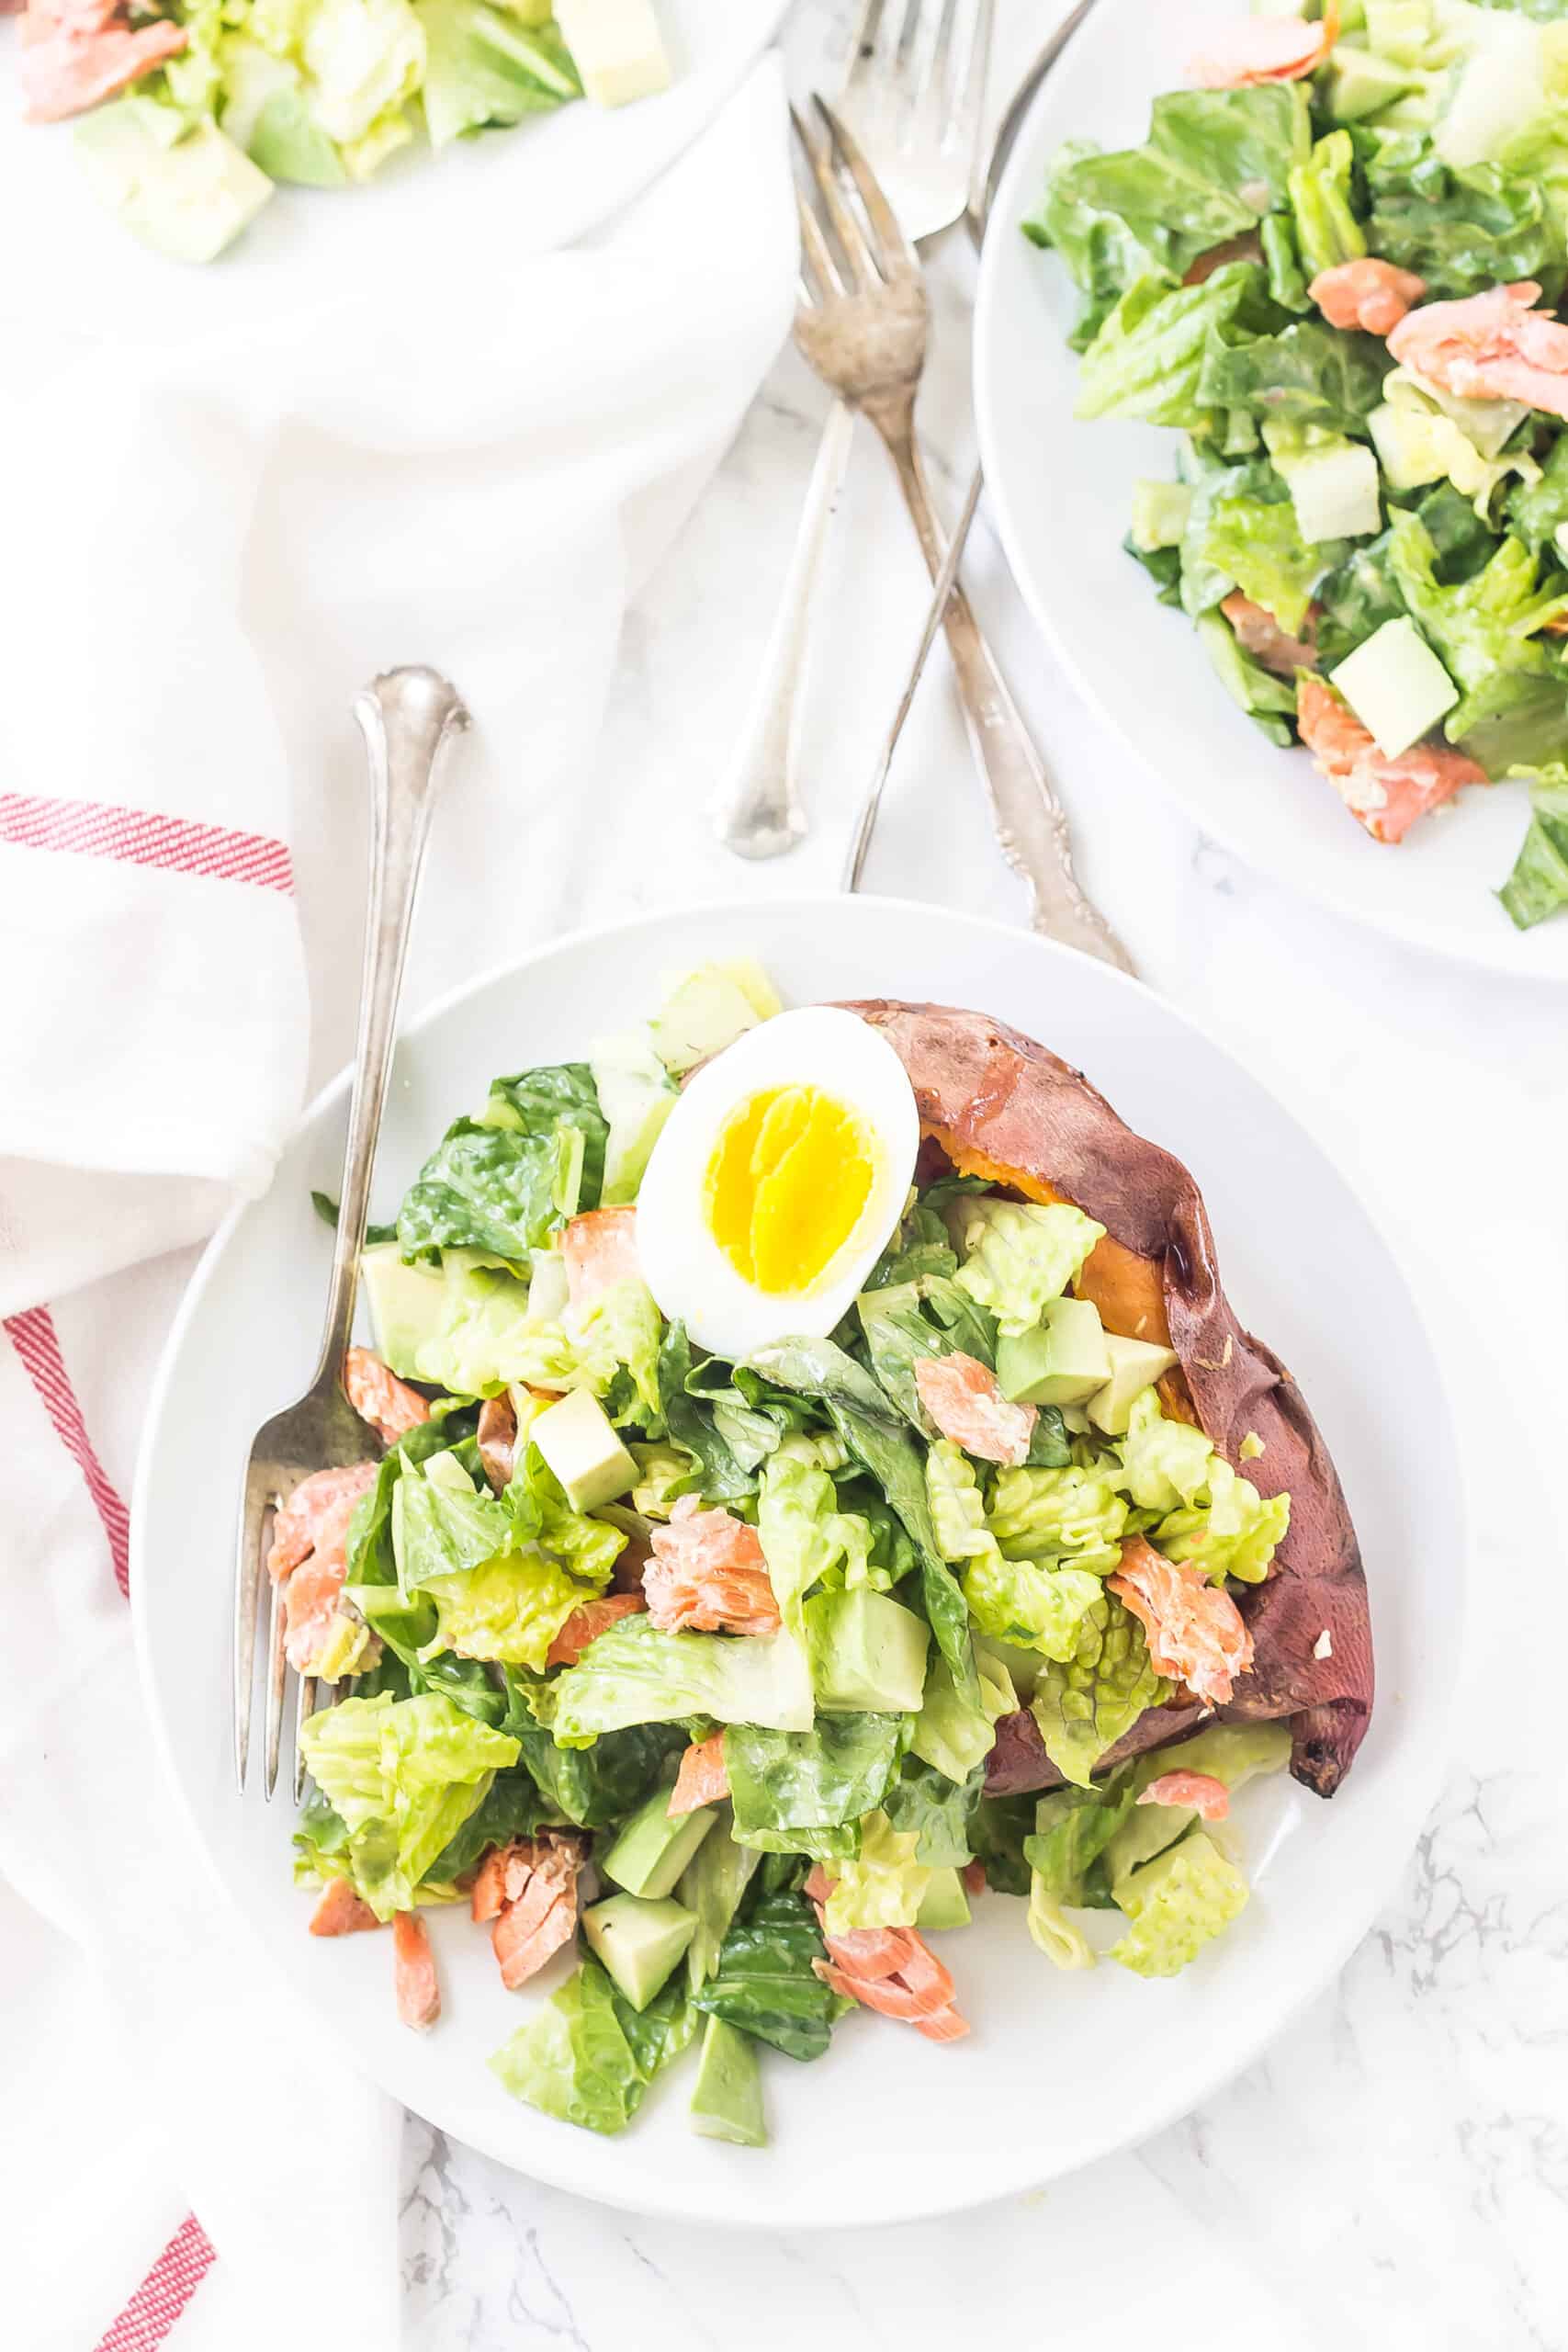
{"points": [[777, 1181]]}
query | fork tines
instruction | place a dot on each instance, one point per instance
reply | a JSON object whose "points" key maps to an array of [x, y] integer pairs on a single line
{"points": [[865, 228]]}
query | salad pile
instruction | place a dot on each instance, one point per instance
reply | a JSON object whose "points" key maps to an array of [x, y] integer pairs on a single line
{"points": [[745, 1467], [192, 109], [1334, 267]]}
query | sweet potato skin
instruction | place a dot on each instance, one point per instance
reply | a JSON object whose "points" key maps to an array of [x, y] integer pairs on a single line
{"points": [[1000, 1104]]}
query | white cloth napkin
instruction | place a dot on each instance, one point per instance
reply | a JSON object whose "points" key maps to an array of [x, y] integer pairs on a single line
{"points": [[203, 560]]}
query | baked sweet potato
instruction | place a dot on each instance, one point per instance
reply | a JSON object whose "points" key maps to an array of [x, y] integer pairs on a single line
{"points": [[999, 1105]]}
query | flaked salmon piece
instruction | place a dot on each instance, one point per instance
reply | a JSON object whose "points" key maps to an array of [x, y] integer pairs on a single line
{"points": [[1199, 1793], [308, 1536], [1384, 795], [891, 1970], [413, 1966], [341, 1912], [75, 53], [946, 2026], [701, 1779], [378, 1397], [1494, 347], [708, 1575], [600, 1249], [1259, 634], [1195, 1631], [1371, 294], [1265, 49], [974, 1877], [965, 1401], [585, 1625], [529, 1890], [1248, 246], [496, 1438], [316, 1516]]}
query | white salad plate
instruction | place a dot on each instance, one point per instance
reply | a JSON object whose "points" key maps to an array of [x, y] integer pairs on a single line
{"points": [[1059, 2069], [1061, 490], [478, 206]]}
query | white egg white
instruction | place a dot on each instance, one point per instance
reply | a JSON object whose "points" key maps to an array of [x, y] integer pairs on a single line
{"points": [[690, 1277]]}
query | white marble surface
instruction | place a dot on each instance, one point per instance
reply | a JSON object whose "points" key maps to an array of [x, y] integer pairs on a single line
{"points": [[1395, 2171]]}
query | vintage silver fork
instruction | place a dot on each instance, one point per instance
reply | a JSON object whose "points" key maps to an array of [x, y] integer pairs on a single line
{"points": [[408, 719], [912, 96], [862, 325]]}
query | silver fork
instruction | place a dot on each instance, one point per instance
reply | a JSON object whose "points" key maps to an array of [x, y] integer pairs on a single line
{"points": [[862, 325], [408, 719], [913, 95]]}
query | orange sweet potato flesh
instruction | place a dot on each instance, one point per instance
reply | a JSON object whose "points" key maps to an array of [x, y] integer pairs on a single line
{"points": [[1000, 1105]]}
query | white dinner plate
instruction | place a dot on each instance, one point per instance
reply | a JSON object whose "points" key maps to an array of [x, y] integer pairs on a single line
{"points": [[1058, 2068], [1061, 490], [485, 200]]}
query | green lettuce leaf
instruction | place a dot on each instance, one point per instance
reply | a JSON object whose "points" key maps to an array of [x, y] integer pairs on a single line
{"points": [[954, 1733], [586, 2056], [1035, 1606], [1103, 255], [443, 1528], [404, 1776], [513, 1806], [485, 69], [1232, 1753], [1148, 357], [591, 1786], [505, 1183], [936, 1810], [1255, 542], [1072, 1515], [1463, 231], [1165, 1464], [999, 1827], [1268, 701], [1327, 231], [1538, 887], [721, 1477], [789, 1788], [1479, 625], [1018, 1257], [1214, 161], [881, 1886], [635, 1674], [876, 1436], [1084, 1704], [508, 1611], [535, 1502], [764, 1983], [1177, 1904], [1309, 374], [808, 1541], [1229, 1530], [1072, 1827], [1537, 511]]}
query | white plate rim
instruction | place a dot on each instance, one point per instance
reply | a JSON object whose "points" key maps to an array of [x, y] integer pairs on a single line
{"points": [[1014, 197], [574, 2170]]}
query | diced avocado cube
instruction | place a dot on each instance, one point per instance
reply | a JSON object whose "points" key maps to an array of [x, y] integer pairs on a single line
{"points": [[640, 1941], [1397, 686], [446, 1470], [1334, 492], [1060, 1361], [866, 1653], [617, 48], [1361, 84], [584, 1450], [179, 185], [408, 1304], [1135, 1364], [945, 1904], [652, 1850], [727, 2101], [548, 1292], [1160, 510], [709, 1009]]}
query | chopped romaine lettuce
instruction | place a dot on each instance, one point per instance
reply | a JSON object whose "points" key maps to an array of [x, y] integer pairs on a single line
{"points": [[403, 1775], [804, 1792], [1177, 1904], [1019, 1256], [635, 1674], [1085, 1704], [765, 1983], [883, 1886], [587, 2056]]}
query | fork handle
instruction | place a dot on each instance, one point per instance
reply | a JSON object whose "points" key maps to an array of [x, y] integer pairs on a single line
{"points": [[408, 717], [757, 812], [1030, 823]]}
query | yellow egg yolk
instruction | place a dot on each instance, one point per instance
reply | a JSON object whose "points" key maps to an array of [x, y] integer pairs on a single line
{"points": [[787, 1184]]}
